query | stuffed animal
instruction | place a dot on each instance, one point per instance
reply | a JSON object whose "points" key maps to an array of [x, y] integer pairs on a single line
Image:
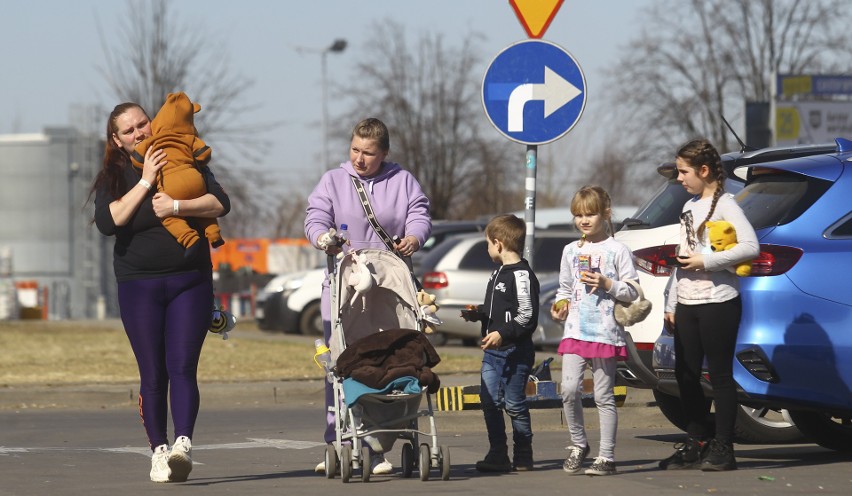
{"points": [[723, 236], [360, 277], [429, 309], [173, 130]]}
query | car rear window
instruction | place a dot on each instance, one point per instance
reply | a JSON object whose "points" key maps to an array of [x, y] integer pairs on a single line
{"points": [[662, 209], [666, 204], [776, 198], [547, 256], [477, 257]]}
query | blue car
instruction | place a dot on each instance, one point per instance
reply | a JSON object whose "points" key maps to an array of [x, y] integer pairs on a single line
{"points": [[795, 337]]}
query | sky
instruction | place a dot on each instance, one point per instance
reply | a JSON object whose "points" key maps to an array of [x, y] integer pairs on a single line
{"points": [[52, 54]]}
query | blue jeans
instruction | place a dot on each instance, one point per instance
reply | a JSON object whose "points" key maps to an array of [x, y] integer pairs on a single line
{"points": [[504, 377]]}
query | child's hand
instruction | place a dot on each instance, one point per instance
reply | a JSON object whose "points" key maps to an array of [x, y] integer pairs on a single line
{"points": [[559, 310], [595, 280], [692, 263], [471, 314], [492, 340]]}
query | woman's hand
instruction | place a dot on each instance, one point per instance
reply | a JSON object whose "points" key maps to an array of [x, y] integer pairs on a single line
{"points": [[164, 205], [154, 161], [407, 246]]}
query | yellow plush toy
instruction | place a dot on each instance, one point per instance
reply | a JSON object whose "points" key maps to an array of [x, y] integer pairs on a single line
{"points": [[429, 309], [723, 236]]}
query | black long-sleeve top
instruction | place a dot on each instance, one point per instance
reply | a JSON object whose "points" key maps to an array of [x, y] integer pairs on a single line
{"points": [[143, 247], [511, 303]]}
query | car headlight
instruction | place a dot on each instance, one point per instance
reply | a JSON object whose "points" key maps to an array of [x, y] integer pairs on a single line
{"points": [[283, 283]]}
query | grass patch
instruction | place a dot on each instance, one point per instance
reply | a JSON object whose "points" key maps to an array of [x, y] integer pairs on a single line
{"points": [[83, 352]]}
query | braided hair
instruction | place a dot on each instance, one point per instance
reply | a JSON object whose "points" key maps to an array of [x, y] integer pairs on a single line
{"points": [[592, 200], [697, 153]]}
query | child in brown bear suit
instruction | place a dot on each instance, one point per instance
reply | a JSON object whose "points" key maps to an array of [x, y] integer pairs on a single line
{"points": [[174, 131]]}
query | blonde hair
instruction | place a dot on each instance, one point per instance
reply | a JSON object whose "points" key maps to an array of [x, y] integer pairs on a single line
{"points": [[591, 200], [373, 129]]}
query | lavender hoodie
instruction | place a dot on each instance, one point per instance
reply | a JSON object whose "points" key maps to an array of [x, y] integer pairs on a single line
{"points": [[397, 199]]}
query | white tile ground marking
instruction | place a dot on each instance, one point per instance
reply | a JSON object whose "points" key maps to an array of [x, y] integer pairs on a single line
{"points": [[145, 451]]}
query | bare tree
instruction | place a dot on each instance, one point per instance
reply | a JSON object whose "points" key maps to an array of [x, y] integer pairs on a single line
{"points": [[155, 55], [428, 96], [698, 60]]}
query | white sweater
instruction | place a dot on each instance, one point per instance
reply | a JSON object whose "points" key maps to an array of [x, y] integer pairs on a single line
{"points": [[716, 283]]}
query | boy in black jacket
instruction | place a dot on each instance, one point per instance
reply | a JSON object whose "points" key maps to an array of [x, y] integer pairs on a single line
{"points": [[509, 317]]}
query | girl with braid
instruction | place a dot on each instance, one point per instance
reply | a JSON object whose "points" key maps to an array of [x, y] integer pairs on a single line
{"points": [[703, 310]]}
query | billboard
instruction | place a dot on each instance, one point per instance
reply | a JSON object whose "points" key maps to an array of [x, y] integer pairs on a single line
{"points": [[811, 122]]}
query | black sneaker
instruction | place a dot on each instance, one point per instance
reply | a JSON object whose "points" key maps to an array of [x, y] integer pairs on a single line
{"points": [[576, 455], [719, 457], [523, 461], [495, 462], [686, 455]]}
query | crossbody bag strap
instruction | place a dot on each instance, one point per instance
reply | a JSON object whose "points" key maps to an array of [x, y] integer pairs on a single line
{"points": [[371, 217]]}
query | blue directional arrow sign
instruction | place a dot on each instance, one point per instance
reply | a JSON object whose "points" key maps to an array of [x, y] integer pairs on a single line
{"points": [[534, 92]]}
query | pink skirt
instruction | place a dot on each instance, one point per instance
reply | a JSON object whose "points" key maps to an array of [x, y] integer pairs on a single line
{"points": [[588, 349]]}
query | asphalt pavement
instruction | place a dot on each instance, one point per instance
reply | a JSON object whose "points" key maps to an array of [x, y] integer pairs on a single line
{"points": [[264, 438]]}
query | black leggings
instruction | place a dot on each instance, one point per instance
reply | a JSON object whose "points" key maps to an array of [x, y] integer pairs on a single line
{"points": [[707, 330]]}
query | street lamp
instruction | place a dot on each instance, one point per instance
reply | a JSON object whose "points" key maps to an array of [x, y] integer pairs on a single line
{"points": [[338, 46]]}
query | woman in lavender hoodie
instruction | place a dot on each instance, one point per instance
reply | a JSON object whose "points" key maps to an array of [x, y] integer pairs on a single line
{"points": [[400, 207]]}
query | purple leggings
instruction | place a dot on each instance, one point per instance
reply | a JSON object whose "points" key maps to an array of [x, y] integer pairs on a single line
{"points": [[166, 320]]}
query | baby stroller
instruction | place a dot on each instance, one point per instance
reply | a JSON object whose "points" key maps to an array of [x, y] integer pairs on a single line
{"points": [[375, 313]]}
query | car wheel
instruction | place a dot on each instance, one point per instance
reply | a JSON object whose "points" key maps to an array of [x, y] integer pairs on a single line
{"points": [[470, 342], [765, 426], [754, 425], [670, 407], [310, 321], [832, 432]]}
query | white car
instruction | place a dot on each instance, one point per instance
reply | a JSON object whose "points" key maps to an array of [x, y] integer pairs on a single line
{"points": [[457, 274]]}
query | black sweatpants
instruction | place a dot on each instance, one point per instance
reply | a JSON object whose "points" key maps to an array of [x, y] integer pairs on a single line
{"points": [[707, 330]]}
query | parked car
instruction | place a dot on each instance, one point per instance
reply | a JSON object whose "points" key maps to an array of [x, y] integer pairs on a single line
{"points": [[796, 329], [291, 302], [457, 273]]}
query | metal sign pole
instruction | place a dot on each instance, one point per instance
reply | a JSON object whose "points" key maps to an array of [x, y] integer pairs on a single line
{"points": [[529, 203]]}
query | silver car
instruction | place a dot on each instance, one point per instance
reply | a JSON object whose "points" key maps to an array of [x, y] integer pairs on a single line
{"points": [[457, 272]]}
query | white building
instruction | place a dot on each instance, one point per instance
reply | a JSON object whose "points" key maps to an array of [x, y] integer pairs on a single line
{"points": [[46, 223]]}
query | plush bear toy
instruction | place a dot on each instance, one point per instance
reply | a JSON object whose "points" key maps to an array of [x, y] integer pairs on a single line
{"points": [[723, 236], [429, 309], [173, 130]]}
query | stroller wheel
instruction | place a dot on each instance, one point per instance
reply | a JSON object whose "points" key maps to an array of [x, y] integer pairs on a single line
{"points": [[445, 463], [408, 460], [425, 462], [366, 464], [330, 461], [346, 463]]}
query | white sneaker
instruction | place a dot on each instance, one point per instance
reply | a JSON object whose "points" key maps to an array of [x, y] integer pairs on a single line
{"points": [[180, 460], [380, 466], [320, 468], [159, 464]]}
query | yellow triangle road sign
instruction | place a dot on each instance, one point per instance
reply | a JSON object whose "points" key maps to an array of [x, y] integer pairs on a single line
{"points": [[535, 15]]}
